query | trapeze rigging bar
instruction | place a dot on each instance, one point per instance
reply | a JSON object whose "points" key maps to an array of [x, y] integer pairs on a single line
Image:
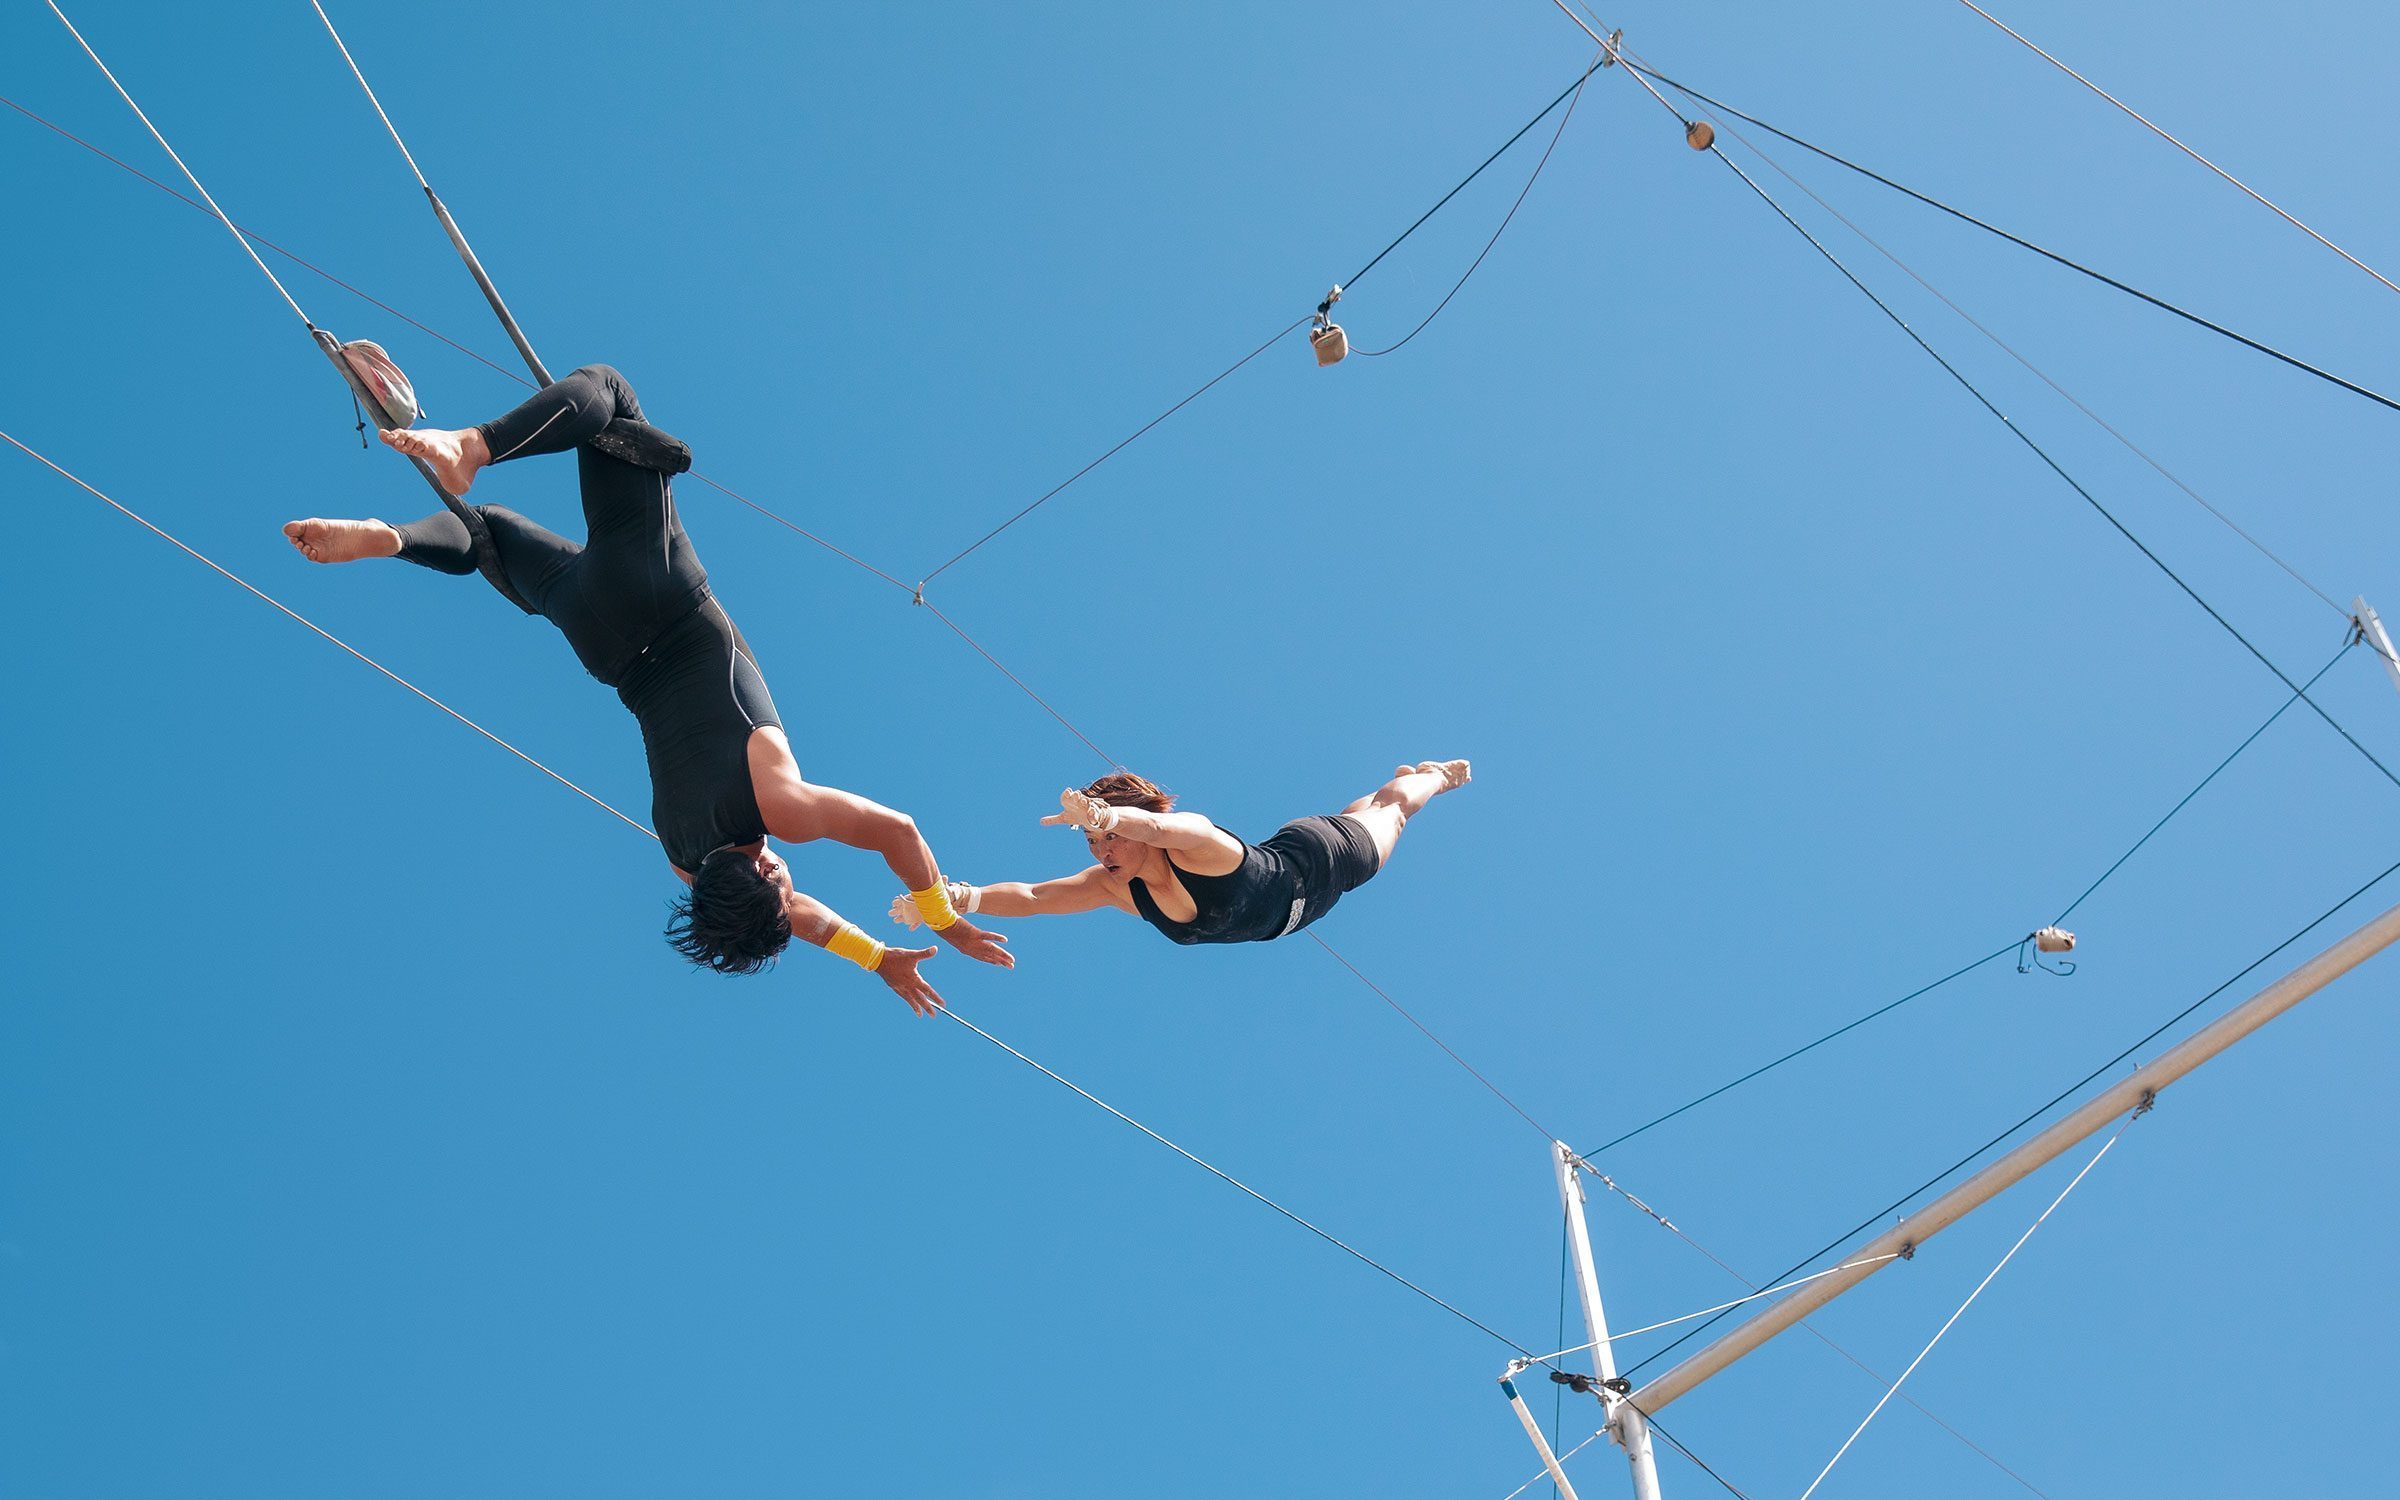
{"points": [[2370, 630], [491, 293], [2133, 1092]]}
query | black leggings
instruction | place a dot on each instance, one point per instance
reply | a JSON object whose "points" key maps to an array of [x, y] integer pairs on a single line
{"points": [[636, 572]]}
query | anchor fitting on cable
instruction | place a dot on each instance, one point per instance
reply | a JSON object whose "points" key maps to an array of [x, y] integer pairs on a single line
{"points": [[1325, 336], [2046, 940], [916, 596]]}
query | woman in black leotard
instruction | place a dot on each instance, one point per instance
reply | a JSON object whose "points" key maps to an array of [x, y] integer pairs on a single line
{"points": [[1195, 882], [634, 602]]}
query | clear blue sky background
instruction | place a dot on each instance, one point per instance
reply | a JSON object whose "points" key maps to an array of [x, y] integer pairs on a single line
{"points": [[358, 1135]]}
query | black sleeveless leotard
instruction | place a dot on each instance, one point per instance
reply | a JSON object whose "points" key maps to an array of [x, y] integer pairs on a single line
{"points": [[1280, 886]]}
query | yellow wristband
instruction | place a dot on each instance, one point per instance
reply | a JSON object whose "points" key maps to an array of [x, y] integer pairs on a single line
{"points": [[934, 904], [856, 946]]}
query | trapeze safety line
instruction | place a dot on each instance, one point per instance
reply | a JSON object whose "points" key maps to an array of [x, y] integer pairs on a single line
{"points": [[2053, 465], [1505, 220], [427, 330], [2038, 1222], [1704, 1312], [1232, 1181], [643, 829], [331, 348], [1271, 342], [1714, 149], [1993, 229], [263, 596], [2180, 146], [458, 241], [179, 166], [1544, 1473], [2043, 376], [1894, 1207], [2130, 1092]]}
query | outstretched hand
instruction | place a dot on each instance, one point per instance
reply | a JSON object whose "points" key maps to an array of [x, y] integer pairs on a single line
{"points": [[899, 970], [1076, 810], [979, 944]]}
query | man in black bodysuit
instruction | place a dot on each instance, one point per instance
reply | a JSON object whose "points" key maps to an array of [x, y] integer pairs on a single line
{"points": [[634, 602]]}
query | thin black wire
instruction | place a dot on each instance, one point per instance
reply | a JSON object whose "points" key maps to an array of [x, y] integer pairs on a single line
{"points": [[1947, 1172], [1597, 64], [1065, 722], [2038, 373], [1233, 1181], [2043, 454], [1730, 1486], [2009, 947], [429, 331], [2347, 643], [1272, 340], [1285, 331], [1989, 228], [1330, 951], [1385, 995], [1505, 221]]}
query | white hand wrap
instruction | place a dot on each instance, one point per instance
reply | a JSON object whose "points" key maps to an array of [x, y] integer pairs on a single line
{"points": [[1087, 813]]}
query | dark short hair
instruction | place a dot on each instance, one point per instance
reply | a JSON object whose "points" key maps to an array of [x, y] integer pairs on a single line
{"points": [[732, 920]]}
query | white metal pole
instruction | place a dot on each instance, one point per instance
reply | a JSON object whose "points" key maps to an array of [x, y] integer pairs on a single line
{"points": [[1624, 1422], [1533, 1430], [2371, 626], [2128, 1093]]}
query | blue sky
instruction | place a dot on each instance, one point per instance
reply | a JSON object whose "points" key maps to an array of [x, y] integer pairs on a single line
{"points": [[359, 1136]]}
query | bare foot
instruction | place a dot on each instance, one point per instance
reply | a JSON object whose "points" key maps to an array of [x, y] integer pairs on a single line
{"points": [[456, 457], [1454, 773], [342, 541]]}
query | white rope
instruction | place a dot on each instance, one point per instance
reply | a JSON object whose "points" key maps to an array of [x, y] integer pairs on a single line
{"points": [[2180, 146], [234, 229], [1871, 1260], [371, 99], [262, 594], [1545, 1473], [1963, 1306]]}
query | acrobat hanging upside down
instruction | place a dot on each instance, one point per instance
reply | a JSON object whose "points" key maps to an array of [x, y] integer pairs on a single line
{"points": [[635, 604]]}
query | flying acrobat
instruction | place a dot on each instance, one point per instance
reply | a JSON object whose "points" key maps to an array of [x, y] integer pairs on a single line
{"points": [[1195, 882], [634, 602]]}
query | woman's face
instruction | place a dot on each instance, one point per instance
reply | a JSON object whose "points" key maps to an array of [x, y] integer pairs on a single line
{"points": [[1121, 858]]}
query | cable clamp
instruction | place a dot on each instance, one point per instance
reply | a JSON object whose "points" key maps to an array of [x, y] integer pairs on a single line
{"points": [[1608, 49], [916, 596], [2149, 1100], [1907, 1251], [2046, 940], [1325, 336]]}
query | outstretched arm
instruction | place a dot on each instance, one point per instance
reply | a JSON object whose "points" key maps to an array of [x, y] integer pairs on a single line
{"points": [[1181, 831], [797, 811], [1087, 890], [815, 922]]}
